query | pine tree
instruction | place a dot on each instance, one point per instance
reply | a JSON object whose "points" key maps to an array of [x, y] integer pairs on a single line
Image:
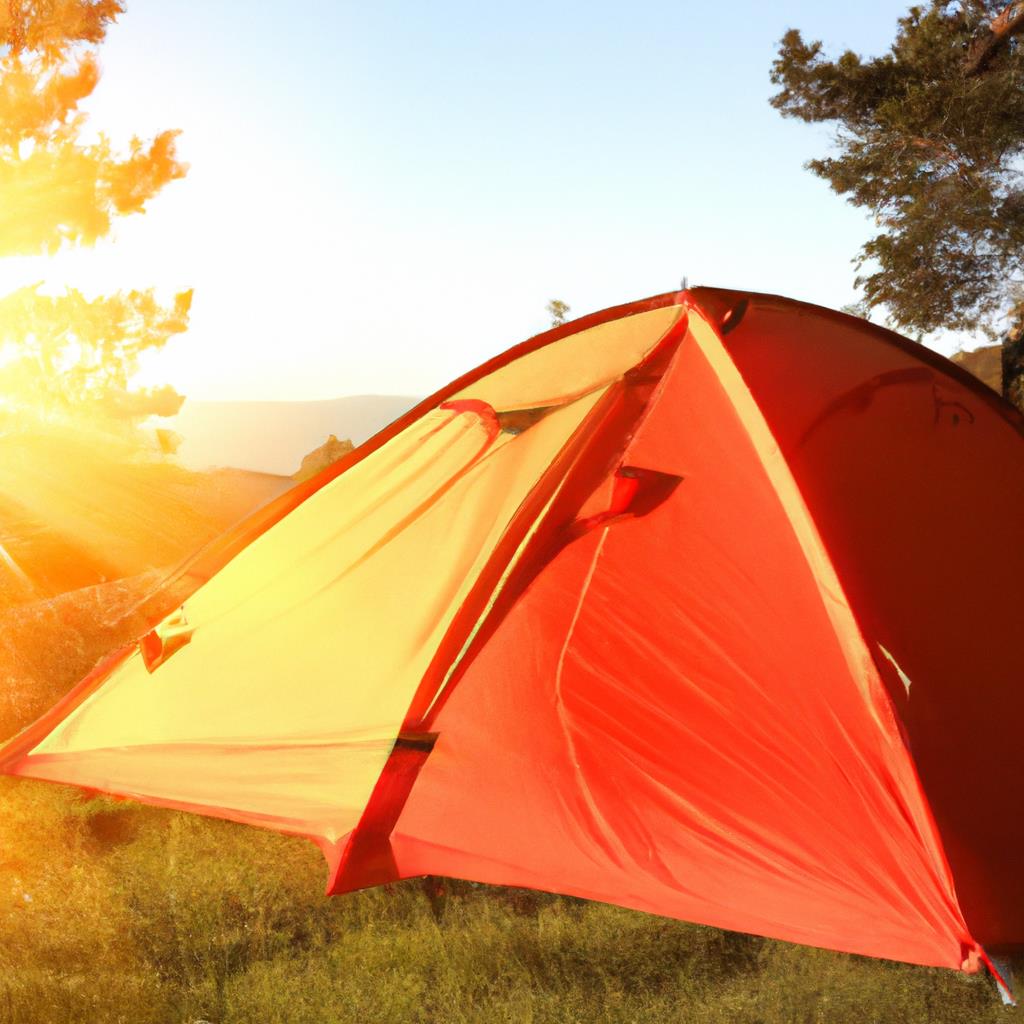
{"points": [[930, 139], [65, 355]]}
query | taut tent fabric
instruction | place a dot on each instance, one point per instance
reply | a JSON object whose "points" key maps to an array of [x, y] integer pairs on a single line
{"points": [[703, 605]]}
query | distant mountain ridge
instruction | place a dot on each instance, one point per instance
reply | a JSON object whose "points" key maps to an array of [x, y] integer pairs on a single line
{"points": [[273, 437]]}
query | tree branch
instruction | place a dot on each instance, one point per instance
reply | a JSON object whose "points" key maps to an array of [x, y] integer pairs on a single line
{"points": [[947, 152], [1007, 23]]}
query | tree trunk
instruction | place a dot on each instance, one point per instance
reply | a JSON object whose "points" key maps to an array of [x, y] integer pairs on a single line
{"points": [[1008, 22]]}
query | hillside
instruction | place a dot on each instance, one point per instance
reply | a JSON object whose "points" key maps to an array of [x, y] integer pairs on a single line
{"points": [[273, 437], [78, 511]]}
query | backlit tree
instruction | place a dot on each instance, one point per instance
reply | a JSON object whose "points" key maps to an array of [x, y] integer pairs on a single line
{"points": [[66, 355]]}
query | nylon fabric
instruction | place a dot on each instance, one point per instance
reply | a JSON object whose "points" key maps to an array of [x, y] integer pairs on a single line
{"points": [[574, 366], [688, 738], [915, 473]]}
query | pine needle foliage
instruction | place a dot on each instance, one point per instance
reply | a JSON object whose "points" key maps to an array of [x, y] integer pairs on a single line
{"points": [[929, 138]]}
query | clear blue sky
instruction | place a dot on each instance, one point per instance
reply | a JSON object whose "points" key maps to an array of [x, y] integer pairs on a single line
{"points": [[382, 195]]}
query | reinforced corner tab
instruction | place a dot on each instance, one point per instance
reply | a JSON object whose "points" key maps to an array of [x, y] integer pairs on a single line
{"points": [[367, 858]]}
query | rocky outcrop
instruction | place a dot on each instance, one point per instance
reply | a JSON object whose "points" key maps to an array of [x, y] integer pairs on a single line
{"points": [[320, 458], [984, 363]]}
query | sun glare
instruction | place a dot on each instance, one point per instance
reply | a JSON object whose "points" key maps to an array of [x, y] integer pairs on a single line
{"points": [[68, 359]]}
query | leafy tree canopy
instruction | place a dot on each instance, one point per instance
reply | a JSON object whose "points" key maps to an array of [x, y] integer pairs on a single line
{"points": [[72, 355], [48, 29], [930, 139], [67, 354]]}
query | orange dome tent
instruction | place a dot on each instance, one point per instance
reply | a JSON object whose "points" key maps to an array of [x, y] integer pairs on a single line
{"points": [[703, 605]]}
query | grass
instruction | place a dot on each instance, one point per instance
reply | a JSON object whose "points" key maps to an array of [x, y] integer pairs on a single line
{"points": [[111, 912]]}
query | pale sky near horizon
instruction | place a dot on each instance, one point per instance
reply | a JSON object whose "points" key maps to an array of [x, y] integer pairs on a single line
{"points": [[384, 195]]}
